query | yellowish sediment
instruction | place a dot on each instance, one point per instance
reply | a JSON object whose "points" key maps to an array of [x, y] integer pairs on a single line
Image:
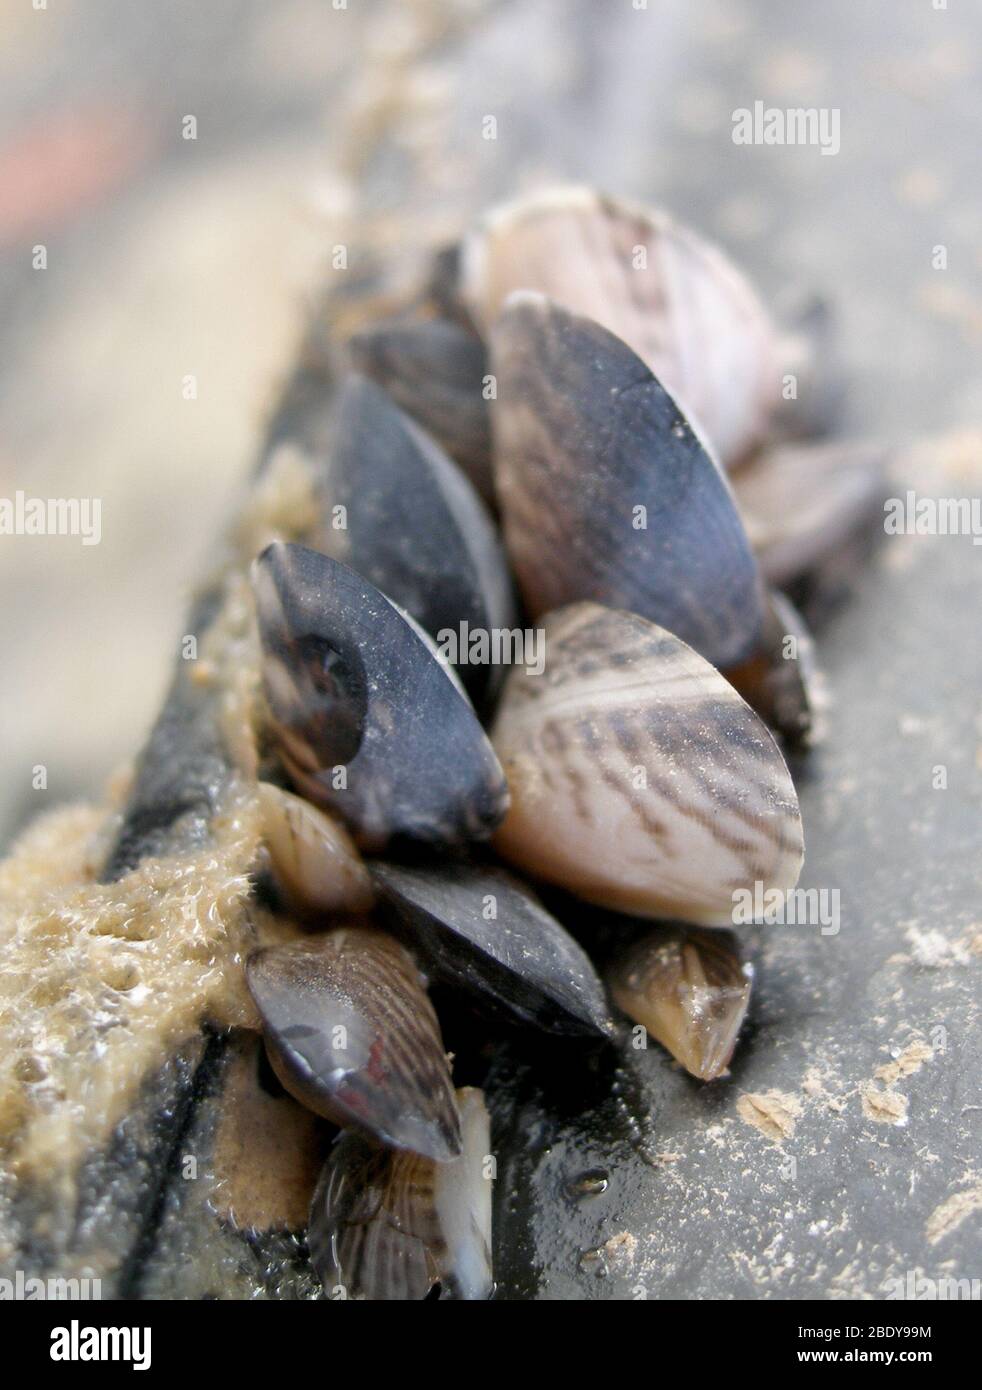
{"points": [[100, 982]]}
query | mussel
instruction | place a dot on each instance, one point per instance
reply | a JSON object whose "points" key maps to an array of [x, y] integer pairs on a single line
{"points": [[404, 517], [639, 778], [679, 303], [312, 855], [437, 372], [801, 501], [607, 492], [689, 990], [351, 1033], [367, 719], [393, 1225], [780, 680], [481, 929]]}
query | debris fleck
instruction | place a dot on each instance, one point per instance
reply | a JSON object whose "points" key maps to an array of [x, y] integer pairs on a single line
{"points": [[772, 1112], [952, 1212]]}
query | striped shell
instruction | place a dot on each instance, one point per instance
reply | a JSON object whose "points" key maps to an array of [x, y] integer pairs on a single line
{"points": [[607, 493], [312, 855], [682, 306], [689, 990], [389, 1226], [351, 1033], [639, 779]]}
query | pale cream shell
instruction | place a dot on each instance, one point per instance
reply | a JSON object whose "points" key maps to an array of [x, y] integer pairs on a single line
{"points": [[639, 778]]}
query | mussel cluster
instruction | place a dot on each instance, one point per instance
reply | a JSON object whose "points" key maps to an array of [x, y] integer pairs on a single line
{"points": [[575, 437]]}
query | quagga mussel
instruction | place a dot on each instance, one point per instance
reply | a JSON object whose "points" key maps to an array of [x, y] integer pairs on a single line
{"points": [[578, 442]]}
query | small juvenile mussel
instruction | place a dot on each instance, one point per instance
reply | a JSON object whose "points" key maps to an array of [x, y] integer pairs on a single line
{"points": [[637, 767]]}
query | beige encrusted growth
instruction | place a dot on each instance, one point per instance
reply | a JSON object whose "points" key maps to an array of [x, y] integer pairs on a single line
{"points": [[99, 983], [952, 1212], [774, 1113]]}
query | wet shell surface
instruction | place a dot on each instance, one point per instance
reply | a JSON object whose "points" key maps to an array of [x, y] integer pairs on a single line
{"points": [[482, 930], [639, 779], [412, 523], [801, 502], [689, 990], [678, 302], [351, 1033], [390, 1226], [434, 370], [312, 855], [367, 720], [607, 493]]}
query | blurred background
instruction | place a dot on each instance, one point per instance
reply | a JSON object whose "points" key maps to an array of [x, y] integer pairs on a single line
{"points": [[317, 122]]}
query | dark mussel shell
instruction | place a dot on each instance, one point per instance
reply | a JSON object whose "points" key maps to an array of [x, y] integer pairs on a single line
{"points": [[389, 1226], [367, 719], [606, 491], [678, 302], [689, 990], [351, 1033], [412, 523], [435, 371], [781, 681], [481, 929]]}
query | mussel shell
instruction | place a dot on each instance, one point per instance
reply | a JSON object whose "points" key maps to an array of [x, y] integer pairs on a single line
{"points": [[810, 351], [352, 684], [689, 990], [640, 780], [414, 526], [389, 1226], [678, 302], [434, 370], [585, 436], [800, 503], [521, 957], [312, 855], [784, 690], [351, 1033]]}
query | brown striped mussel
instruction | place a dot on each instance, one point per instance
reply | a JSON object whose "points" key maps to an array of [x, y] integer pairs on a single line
{"points": [[689, 990], [639, 778], [589, 370]]}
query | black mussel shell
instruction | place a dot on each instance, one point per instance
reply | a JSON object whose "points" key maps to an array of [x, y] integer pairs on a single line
{"points": [[606, 491], [351, 1033], [435, 371], [781, 681], [405, 518], [368, 721], [483, 930]]}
